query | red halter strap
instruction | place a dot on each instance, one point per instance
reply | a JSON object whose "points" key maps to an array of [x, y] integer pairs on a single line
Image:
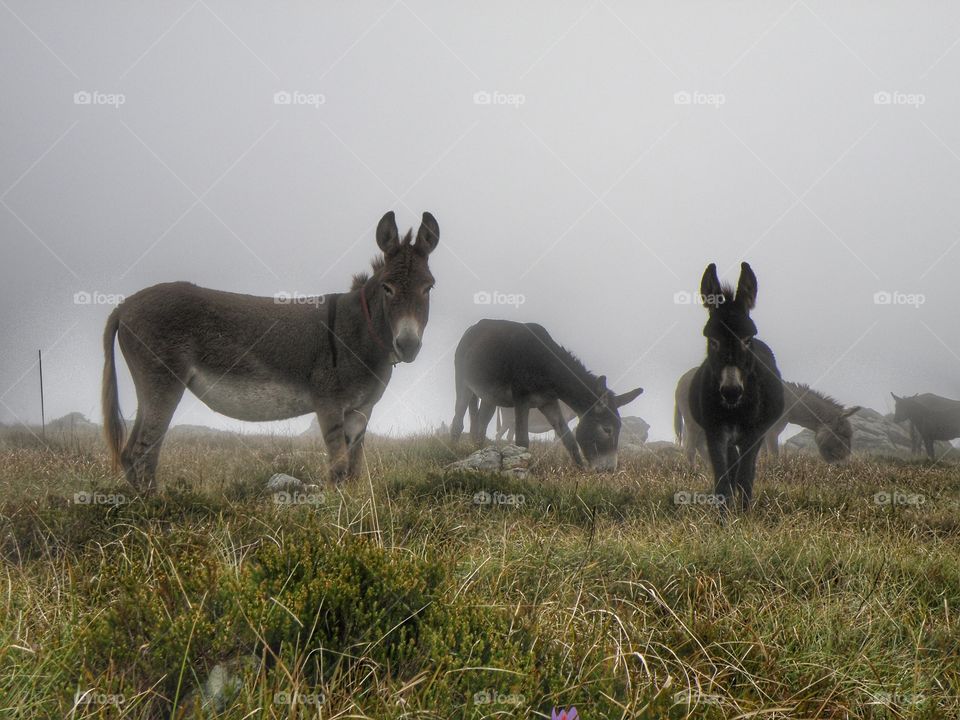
{"points": [[366, 314]]}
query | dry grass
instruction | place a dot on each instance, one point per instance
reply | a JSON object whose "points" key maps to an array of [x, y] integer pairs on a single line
{"points": [[597, 591]]}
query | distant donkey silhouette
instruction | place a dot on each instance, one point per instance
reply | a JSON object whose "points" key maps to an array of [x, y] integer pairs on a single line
{"points": [[736, 395], [261, 358]]}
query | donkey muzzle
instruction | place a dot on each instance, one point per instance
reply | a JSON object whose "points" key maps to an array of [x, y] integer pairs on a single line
{"points": [[604, 463], [731, 385], [406, 341]]}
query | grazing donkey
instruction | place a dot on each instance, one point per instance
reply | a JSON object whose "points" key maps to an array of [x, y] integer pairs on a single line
{"points": [[828, 419], [518, 365], [736, 395], [260, 358], [806, 407], [536, 422], [933, 418]]}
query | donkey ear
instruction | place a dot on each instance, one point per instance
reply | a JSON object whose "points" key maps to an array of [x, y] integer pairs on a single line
{"points": [[850, 411], [601, 384], [896, 399], [627, 397], [747, 287], [710, 285], [388, 237], [428, 235]]}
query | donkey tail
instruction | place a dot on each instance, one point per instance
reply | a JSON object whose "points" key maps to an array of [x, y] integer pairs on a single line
{"points": [[113, 429], [678, 423]]}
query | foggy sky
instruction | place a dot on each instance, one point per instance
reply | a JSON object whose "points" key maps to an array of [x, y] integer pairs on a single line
{"points": [[587, 185]]}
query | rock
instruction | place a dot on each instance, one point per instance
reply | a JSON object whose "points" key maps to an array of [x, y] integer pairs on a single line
{"points": [[663, 447], [222, 685], [633, 430], [279, 482], [873, 434], [505, 460]]}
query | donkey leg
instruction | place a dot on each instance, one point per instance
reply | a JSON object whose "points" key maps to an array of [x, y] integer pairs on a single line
{"points": [[554, 416], [354, 430], [332, 426], [478, 431], [929, 445], [521, 412], [698, 446], [465, 397], [723, 480], [155, 408], [747, 470]]}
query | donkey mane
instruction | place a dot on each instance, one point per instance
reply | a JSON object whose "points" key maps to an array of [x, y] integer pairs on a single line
{"points": [[805, 390], [376, 265], [808, 407], [574, 364]]}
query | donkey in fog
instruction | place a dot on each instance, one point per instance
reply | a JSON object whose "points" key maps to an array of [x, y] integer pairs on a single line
{"points": [[932, 418], [736, 394], [804, 406], [260, 358], [518, 365]]}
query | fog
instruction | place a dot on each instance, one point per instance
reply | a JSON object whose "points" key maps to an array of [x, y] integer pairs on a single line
{"points": [[585, 162]]}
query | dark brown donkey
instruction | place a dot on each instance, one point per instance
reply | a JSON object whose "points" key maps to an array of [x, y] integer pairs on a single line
{"points": [[260, 358], [736, 394], [518, 365]]}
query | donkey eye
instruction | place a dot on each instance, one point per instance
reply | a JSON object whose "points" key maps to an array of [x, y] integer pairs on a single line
{"points": [[714, 343], [747, 342], [389, 289]]}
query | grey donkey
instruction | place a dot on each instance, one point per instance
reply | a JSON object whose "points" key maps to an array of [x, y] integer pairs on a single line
{"points": [[261, 358]]}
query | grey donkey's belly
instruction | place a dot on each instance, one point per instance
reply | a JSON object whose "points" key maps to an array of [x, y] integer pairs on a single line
{"points": [[250, 398]]}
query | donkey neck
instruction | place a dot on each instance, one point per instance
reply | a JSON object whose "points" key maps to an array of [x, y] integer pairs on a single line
{"points": [[808, 408], [363, 336], [575, 386]]}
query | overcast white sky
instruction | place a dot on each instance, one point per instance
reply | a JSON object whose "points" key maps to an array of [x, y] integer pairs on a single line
{"points": [[587, 185]]}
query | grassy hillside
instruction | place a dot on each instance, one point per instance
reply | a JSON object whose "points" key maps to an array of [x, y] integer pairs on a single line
{"points": [[398, 597]]}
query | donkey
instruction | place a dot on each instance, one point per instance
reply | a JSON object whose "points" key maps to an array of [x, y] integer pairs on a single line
{"points": [[260, 358], [933, 417], [828, 419], [518, 365], [536, 422], [736, 395]]}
